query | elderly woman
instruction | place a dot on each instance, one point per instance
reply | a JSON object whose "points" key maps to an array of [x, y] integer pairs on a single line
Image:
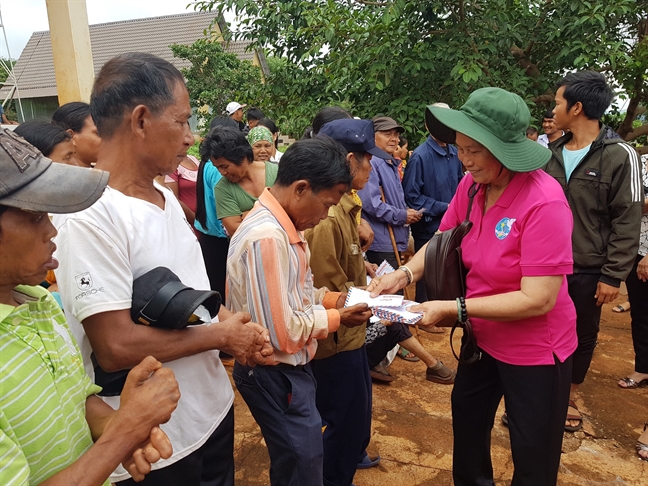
{"points": [[244, 178], [517, 256], [262, 143]]}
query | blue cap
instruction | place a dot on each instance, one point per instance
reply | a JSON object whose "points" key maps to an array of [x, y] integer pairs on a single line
{"points": [[354, 135]]}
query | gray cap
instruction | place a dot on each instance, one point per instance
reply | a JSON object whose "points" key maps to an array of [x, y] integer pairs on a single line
{"points": [[29, 180]]}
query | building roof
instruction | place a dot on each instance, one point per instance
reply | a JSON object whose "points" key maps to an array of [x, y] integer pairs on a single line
{"points": [[35, 67]]}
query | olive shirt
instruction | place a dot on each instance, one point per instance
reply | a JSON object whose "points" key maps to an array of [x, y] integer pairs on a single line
{"points": [[337, 264], [43, 390], [233, 200]]}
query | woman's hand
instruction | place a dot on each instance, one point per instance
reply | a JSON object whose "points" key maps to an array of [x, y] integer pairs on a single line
{"points": [[642, 269], [388, 284], [434, 311]]}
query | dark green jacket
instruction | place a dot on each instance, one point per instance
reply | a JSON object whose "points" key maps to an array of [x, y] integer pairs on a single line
{"points": [[606, 198]]}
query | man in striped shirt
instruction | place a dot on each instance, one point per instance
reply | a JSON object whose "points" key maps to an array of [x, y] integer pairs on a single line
{"points": [[268, 275], [49, 414]]}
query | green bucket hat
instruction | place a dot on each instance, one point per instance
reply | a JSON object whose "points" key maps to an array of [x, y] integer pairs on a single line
{"points": [[498, 120]]}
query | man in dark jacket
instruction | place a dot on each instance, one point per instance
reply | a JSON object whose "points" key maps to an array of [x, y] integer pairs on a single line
{"points": [[430, 181], [602, 181]]}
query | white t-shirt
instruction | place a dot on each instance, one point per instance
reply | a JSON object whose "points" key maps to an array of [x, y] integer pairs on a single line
{"points": [[101, 250]]}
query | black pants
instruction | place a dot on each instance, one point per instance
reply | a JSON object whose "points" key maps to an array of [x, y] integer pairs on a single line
{"points": [[378, 349], [536, 403], [214, 252], [344, 402], [638, 297], [582, 288], [211, 465]]}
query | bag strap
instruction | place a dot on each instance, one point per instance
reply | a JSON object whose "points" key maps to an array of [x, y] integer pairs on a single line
{"points": [[472, 192]]}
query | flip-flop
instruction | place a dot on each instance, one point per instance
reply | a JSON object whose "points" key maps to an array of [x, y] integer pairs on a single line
{"points": [[619, 308], [367, 462], [407, 355], [631, 384], [579, 417]]}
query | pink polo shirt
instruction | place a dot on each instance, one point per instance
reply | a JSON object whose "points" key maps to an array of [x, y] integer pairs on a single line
{"points": [[527, 233]]}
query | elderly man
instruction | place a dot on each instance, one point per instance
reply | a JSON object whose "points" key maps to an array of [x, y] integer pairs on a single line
{"points": [[268, 273], [141, 108], [340, 365], [50, 414], [383, 200]]}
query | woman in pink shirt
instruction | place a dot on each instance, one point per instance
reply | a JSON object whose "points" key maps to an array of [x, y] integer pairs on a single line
{"points": [[517, 254]]}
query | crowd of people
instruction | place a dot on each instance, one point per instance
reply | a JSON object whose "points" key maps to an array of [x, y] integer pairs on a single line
{"points": [[159, 266]]}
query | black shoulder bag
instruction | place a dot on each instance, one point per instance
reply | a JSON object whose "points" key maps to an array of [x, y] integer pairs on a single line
{"points": [[445, 279]]}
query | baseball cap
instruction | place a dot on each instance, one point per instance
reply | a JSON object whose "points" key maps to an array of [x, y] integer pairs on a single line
{"points": [[232, 106], [354, 135], [382, 123], [160, 299], [33, 182]]}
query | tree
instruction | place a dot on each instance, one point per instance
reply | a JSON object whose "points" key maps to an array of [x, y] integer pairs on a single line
{"points": [[216, 77], [395, 56]]}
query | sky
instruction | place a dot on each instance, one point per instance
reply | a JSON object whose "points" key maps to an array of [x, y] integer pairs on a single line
{"points": [[21, 18]]}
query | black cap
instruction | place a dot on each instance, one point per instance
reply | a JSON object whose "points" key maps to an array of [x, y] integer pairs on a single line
{"points": [[160, 299], [354, 135]]}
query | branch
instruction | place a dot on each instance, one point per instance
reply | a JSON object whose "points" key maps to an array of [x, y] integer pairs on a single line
{"points": [[378, 4], [524, 62], [642, 150], [637, 132]]}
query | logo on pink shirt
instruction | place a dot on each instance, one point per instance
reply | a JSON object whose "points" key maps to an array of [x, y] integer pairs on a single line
{"points": [[503, 227]]}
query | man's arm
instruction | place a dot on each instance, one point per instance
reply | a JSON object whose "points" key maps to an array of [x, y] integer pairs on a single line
{"points": [[372, 203], [150, 395], [626, 203], [413, 188], [119, 343]]}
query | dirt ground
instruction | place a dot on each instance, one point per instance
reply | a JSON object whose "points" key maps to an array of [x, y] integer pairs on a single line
{"points": [[412, 424]]}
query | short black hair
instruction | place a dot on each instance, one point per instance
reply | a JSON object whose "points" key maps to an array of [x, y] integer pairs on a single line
{"points": [[254, 113], [321, 161], [549, 113], [223, 121], [531, 131], [328, 114], [591, 89], [221, 141], [227, 142], [42, 135], [128, 80], [402, 141], [72, 115], [3, 209]]}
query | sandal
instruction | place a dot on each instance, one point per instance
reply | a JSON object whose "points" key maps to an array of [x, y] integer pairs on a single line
{"points": [[630, 383], [407, 355], [625, 307], [641, 447], [571, 416], [441, 374]]}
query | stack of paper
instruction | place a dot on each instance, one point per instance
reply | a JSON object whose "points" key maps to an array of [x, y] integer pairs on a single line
{"points": [[388, 307]]}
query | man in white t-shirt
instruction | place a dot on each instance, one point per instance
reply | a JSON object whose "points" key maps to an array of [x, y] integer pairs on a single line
{"points": [[141, 107], [551, 132]]}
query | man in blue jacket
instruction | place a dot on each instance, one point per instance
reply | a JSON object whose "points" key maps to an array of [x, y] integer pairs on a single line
{"points": [[430, 181], [383, 201]]}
